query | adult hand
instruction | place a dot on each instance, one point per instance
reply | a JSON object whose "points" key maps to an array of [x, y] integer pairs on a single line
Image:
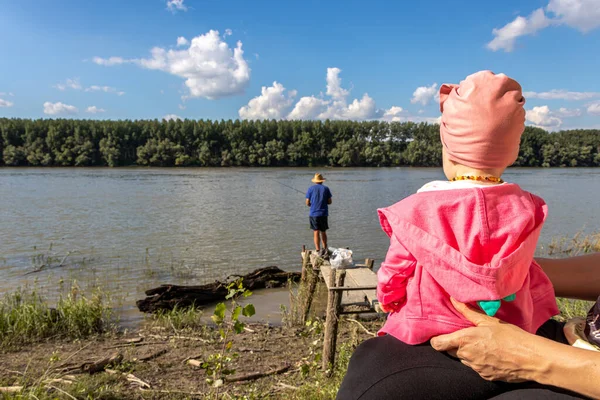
{"points": [[492, 348]]}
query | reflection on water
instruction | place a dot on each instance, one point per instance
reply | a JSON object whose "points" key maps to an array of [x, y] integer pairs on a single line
{"points": [[130, 229]]}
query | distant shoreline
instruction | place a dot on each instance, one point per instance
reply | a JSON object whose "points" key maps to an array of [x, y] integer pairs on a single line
{"points": [[269, 143]]}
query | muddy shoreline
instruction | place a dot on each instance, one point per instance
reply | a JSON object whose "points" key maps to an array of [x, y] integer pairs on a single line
{"points": [[160, 358]]}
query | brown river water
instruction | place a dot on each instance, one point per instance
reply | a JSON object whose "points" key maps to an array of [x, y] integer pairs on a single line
{"points": [[130, 229]]}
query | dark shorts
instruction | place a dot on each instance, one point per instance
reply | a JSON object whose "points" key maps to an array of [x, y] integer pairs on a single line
{"points": [[319, 224]]}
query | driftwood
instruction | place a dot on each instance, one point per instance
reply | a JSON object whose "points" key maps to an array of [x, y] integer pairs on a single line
{"points": [[153, 356], [91, 367], [166, 297], [258, 375]]}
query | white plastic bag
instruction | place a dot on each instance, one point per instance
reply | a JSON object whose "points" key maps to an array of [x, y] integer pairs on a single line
{"points": [[341, 259]]}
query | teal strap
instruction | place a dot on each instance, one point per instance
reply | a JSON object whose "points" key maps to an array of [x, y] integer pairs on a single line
{"points": [[511, 297], [490, 307]]}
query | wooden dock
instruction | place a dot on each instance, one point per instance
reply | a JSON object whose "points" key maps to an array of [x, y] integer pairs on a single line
{"points": [[349, 291]]}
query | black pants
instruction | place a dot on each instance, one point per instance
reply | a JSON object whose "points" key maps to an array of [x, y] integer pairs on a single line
{"points": [[386, 368]]}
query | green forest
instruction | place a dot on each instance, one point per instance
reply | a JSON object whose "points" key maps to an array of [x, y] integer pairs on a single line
{"points": [[69, 142]]}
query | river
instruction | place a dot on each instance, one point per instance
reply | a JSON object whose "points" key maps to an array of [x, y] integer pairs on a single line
{"points": [[130, 229]]}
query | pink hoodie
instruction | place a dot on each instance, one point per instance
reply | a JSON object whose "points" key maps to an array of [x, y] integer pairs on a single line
{"points": [[473, 244]]}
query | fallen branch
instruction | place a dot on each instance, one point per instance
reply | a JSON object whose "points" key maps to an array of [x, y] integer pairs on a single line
{"points": [[130, 377], [362, 326], [194, 363], [66, 364], [153, 356], [246, 349], [134, 344], [258, 375], [178, 337], [134, 379], [98, 366], [192, 358], [286, 386], [10, 389]]}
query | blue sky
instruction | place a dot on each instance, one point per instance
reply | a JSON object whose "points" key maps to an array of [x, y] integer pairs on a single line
{"points": [[330, 59]]}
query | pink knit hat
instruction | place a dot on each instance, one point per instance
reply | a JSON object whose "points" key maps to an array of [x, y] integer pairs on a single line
{"points": [[482, 120]]}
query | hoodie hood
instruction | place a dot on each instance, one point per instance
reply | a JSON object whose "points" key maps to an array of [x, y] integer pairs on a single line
{"points": [[477, 243]]}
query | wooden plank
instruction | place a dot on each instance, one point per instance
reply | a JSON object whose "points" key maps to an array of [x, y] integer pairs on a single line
{"points": [[363, 277], [351, 288], [348, 297]]}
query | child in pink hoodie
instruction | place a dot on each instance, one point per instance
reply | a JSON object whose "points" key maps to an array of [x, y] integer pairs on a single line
{"points": [[474, 236]]}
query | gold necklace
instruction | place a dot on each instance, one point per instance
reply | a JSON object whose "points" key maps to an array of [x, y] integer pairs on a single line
{"points": [[479, 178]]}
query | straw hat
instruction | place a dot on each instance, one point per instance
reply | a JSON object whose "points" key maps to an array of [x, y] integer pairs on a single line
{"points": [[318, 178]]}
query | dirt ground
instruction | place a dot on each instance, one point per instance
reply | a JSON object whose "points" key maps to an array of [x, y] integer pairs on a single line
{"points": [[167, 372]]}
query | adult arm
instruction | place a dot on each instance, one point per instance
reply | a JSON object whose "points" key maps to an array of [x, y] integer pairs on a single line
{"points": [[574, 277], [308, 202], [501, 351], [329, 201]]}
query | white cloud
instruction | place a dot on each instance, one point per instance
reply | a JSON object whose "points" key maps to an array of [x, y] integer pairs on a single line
{"points": [[542, 117], [561, 94], [273, 103], [181, 41], [583, 15], [309, 107], [228, 32], [334, 84], [105, 89], [567, 113], [210, 68], [95, 110], [181, 107], [393, 111], [170, 117], [176, 5], [594, 108], [506, 36], [59, 108], [6, 103], [361, 109], [69, 84], [6, 94], [110, 61], [424, 94]]}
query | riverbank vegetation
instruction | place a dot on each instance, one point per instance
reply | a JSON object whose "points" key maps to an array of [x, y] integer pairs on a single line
{"points": [[26, 317], [67, 142], [48, 350]]}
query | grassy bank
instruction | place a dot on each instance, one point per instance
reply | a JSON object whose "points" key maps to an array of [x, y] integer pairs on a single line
{"points": [[39, 342], [26, 317]]}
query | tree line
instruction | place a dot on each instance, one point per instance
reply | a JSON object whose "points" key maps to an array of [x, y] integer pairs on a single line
{"points": [[69, 142]]}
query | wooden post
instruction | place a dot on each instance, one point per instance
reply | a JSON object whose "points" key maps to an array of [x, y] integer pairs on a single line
{"points": [[369, 262], [309, 292], [305, 258], [334, 299]]}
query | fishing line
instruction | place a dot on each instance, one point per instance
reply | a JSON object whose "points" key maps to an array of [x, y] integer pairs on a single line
{"points": [[288, 186]]}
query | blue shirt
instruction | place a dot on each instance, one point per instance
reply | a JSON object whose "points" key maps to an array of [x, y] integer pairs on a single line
{"points": [[318, 196]]}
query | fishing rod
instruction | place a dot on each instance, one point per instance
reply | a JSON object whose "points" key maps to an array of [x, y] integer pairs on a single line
{"points": [[288, 186]]}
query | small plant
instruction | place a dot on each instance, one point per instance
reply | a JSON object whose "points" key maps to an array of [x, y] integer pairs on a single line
{"points": [[314, 332], [228, 322]]}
